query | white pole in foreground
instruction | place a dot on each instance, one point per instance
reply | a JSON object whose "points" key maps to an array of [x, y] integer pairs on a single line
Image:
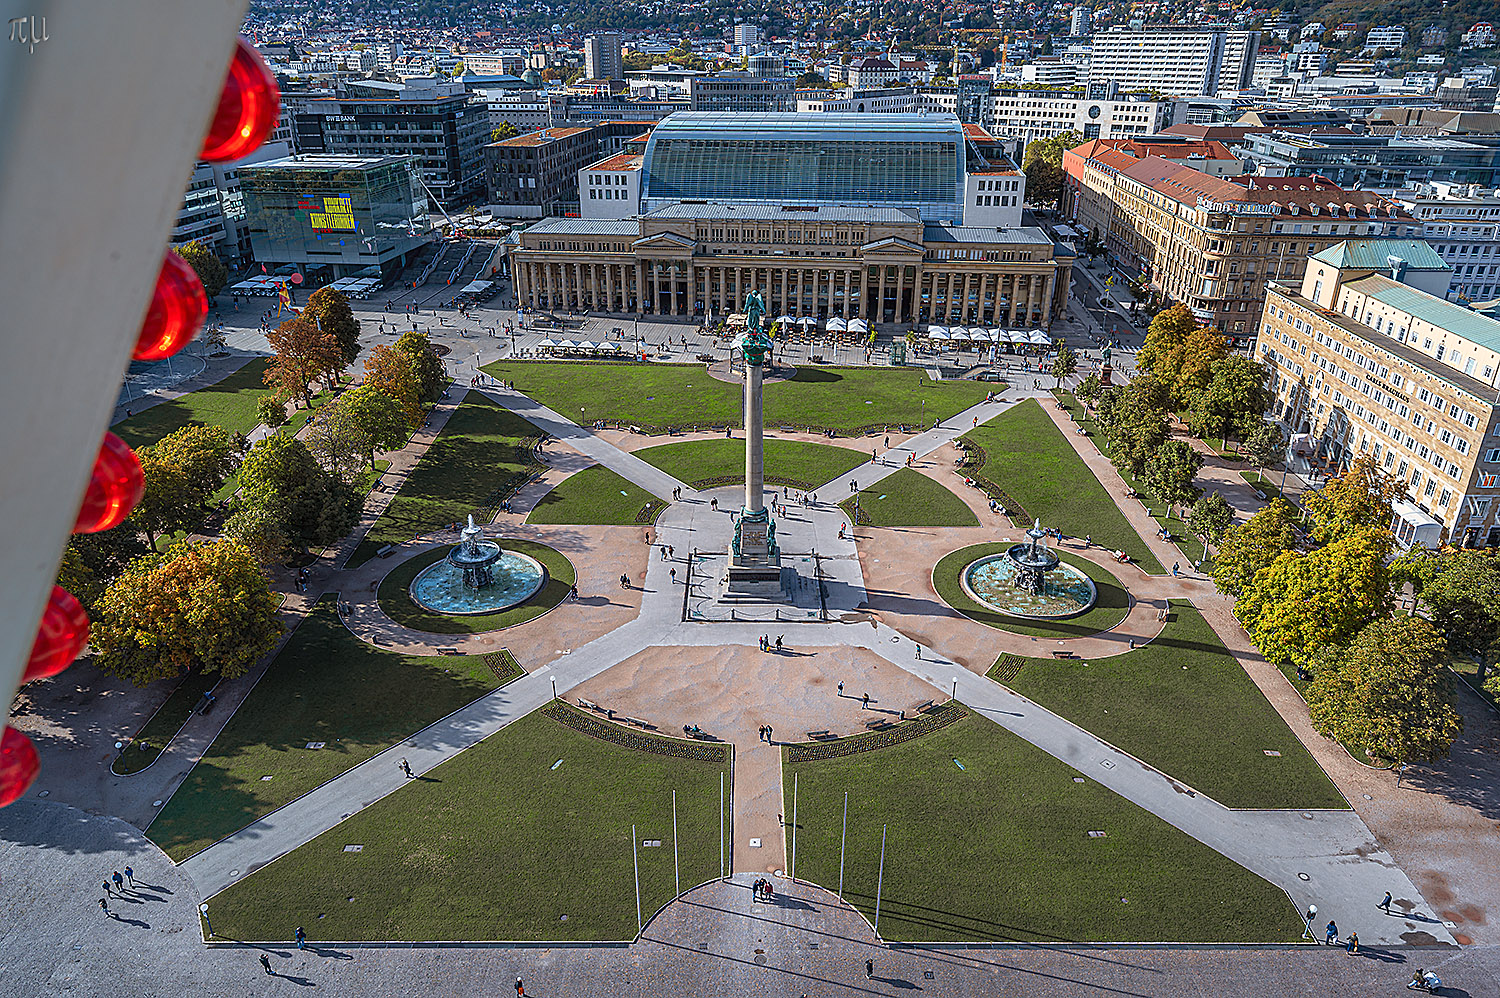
{"points": [[634, 858], [879, 881], [676, 866], [721, 826], [843, 838], [794, 828]]}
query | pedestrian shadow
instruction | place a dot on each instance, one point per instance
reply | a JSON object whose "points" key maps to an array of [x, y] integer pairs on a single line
{"points": [[304, 982], [139, 884], [131, 921], [1384, 956], [791, 903], [329, 953], [897, 982]]}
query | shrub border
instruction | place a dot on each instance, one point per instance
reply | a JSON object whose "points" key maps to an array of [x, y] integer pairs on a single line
{"points": [[870, 740], [677, 748]]}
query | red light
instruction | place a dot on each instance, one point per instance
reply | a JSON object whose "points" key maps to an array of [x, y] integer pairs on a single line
{"points": [[60, 639], [178, 306], [114, 487], [18, 765], [248, 107]]}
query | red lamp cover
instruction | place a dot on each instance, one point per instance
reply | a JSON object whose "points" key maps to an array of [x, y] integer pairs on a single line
{"points": [[18, 765], [248, 107], [178, 307], [114, 488], [60, 638]]}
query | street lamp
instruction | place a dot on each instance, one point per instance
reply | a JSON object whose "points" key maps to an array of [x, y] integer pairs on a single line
{"points": [[204, 909]]}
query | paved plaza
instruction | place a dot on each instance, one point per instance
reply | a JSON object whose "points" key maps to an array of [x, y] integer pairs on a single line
{"points": [[668, 651]]}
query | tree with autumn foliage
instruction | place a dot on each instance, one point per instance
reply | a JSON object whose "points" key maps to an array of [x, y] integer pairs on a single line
{"points": [[391, 371], [303, 352], [1253, 545], [1358, 499], [425, 363], [205, 607], [182, 470], [330, 311]]}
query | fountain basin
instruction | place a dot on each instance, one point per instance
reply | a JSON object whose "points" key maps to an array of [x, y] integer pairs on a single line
{"points": [[991, 581], [515, 579]]}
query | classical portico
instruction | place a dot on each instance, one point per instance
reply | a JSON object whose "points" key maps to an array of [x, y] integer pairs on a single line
{"points": [[882, 265]]}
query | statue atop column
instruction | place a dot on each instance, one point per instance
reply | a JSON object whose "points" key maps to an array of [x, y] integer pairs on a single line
{"points": [[757, 342], [755, 558]]}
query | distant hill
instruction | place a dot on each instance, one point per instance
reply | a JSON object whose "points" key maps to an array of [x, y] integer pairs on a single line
{"points": [[1457, 16]]}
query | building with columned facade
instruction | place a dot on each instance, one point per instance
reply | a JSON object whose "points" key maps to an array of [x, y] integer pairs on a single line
{"points": [[881, 264]]}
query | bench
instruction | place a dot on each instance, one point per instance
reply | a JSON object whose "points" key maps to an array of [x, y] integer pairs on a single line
{"points": [[1064, 654], [636, 721], [878, 723], [589, 705], [448, 651], [819, 735], [386, 551], [921, 708]]}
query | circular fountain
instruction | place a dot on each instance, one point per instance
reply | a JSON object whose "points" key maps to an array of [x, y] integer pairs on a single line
{"points": [[1029, 580], [477, 577]]}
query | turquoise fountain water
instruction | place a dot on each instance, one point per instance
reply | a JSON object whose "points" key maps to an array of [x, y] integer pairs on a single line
{"points": [[1029, 580], [477, 577]]}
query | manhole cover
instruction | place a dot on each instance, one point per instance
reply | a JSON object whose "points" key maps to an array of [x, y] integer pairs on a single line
{"points": [[926, 975], [760, 960], [1107, 763], [1303, 876]]}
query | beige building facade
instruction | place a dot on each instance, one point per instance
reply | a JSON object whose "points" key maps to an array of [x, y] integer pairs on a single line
{"points": [[882, 265], [1367, 357]]}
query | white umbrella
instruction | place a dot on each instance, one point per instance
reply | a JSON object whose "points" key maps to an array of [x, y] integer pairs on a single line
{"points": [[611, 347], [858, 326], [807, 320], [937, 333], [547, 343], [837, 325], [978, 334], [996, 336], [1040, 338], [1016, 336], [785, 319]]}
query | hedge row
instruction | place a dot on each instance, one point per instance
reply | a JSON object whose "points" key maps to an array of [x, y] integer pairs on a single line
{"points": [[1006, 668], [649, 512], [677, 748], [866, 741], [504, 665], [975, 467]]}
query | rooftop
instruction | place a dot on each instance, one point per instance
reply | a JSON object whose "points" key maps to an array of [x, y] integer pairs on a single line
{"points": [[540, 138], [326, 161], [587, 227], [619, 161], [811, 126], [1455, 319], [787, 212], [1358, 254], [937, 232]]}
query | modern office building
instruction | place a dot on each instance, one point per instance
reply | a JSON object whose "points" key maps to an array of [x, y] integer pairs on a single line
{"points": [[1367, 357], [1081, 21], [536, 174], [741, 92], [881, 264], [611, 188], [888, 100], [345, 213], [603, 57], [1213, 242], [1462, 224], [1176, 61], [1377, 161], [1042, 114], [745, 35], [1054, 71], [921, 162], [435, 122]]}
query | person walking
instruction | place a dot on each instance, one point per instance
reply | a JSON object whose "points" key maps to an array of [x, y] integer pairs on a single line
{"points": [[841, 688], [520, 988], [869, 969], [119, 883], [673, 573], [406, 768], [864, 702], [1331, 934], [301, 938], [770, 736], [107, 892], [265, 963], [778, 643], [1353, 945], [1175, 567], [104, 907], [1385, 905], [130, 876]]}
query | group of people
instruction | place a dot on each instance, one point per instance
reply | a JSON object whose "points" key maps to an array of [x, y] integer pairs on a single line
{"points": [[765, 642], [763, 891]]}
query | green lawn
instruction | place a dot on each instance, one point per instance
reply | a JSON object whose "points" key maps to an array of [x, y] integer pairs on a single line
{"points": [[661, 396], [596, 495], [1184, 705], [1262, 484], [1000, 850], [482, 455], [142, 750], [324, 686], [1027, 456], [909, 498], [1108, 610], [525, 836], [229, 403], [397, 604], [709, 463]]}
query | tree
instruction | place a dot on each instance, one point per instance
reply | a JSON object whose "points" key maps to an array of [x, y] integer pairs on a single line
{"points": [[811, 81], [1139, 424], [1169, 473], [199, 606], [1043, 167], [271, 410], [336, 442], [1234, 400], [182, 470], [425, 363], [330, 312], [1254, 545], [1302, 602], [206, 264], [1064, 364], [391, 371], [505, 131], [1202, 349], [1088, 388], [1160, 354], [281, 484], [303, 352], [378, 417], [1360, 498], [1265, 443], [1388, 692], [1462, 592], [1209, 518], [91, 562]]}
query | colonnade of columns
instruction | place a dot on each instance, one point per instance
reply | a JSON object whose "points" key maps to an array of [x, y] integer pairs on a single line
{"points": [[877, 293]]}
